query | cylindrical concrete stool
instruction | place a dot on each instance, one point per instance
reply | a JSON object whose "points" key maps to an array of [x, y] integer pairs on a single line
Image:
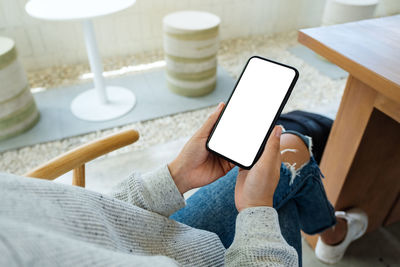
{"points": [[18, 110], [341, 11], [190, 47]]}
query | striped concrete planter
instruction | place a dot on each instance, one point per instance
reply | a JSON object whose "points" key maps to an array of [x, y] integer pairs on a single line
{"points": [[190, 47], [18, 111], [342, 11]]}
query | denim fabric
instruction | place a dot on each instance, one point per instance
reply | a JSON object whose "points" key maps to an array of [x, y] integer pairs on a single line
{"points": [[303, 205]]}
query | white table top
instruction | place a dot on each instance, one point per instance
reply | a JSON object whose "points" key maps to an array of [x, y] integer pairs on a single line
{"points": [[191, 20], [74, 9], [358, 2]]}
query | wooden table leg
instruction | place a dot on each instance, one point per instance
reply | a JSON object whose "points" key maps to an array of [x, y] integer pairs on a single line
{"points": [[361, 159], [351, 120], [372, 182]]}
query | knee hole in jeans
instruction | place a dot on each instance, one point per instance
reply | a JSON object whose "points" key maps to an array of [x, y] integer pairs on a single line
{"points": [[295, 153]]}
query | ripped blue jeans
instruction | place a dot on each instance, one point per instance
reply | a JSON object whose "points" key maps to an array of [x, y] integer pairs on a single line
{"points": [[299, 199]]}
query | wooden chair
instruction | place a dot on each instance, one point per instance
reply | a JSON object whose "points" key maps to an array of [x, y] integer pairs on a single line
{"points": [[75, 159]]}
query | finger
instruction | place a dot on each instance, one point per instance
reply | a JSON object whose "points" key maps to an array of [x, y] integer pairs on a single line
{"points": [[210, 122], [226, 165], [271, 154]]}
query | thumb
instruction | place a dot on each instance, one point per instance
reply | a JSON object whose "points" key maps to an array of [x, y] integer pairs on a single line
{"points": [[271, 153], [210, 122]]}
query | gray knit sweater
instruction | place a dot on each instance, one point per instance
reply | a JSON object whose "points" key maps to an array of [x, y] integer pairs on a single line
{"points": [[43, 223]]}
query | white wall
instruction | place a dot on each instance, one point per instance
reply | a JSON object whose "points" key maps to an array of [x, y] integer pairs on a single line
{"points": [[137, 29]]}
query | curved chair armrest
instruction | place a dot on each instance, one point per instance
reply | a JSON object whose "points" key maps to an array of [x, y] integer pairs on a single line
{"points": [[76, 158]]}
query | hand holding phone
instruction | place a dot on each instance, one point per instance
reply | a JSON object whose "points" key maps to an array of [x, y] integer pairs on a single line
{"points": [[195, 166], [256, 187], [250, 114]]}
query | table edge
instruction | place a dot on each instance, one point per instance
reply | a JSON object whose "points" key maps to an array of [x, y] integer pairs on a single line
{"points": [[387, 87], [75, 19]]}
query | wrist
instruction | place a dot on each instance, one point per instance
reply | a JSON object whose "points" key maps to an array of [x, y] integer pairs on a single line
{"points": [[262, 203], [177, 175]]}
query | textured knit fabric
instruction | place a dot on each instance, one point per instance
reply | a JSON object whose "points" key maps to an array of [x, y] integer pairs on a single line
{"points": [[43, 223]]}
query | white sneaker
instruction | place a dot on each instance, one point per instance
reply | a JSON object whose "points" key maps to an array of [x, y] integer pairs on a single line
{"points": [[357, 223]]}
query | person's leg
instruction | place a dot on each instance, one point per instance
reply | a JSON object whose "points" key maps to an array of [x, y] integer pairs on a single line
{"points": [[336, 234], [311, 124], [289, 223], [316, 214], [295, 155], [303, 185]]}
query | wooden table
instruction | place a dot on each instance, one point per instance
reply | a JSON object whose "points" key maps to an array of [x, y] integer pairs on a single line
{"points": [[361, 161]]}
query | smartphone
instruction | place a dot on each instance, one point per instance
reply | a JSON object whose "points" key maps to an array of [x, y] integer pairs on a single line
{"points": [[250, 114]]}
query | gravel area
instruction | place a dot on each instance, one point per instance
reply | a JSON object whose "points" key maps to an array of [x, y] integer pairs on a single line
{"points": [[313, 91]]}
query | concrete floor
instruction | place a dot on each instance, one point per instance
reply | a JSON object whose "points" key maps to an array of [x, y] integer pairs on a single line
{"points": [[379, 248]]}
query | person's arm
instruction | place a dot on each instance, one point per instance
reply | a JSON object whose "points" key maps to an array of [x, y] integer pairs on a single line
{"points": [[258, 240], [161, 190], [154, 191]]}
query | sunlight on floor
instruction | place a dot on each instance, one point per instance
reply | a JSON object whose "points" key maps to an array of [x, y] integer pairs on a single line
{"points": [[127, 69]]}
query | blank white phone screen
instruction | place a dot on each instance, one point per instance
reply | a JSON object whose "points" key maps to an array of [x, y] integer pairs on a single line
{"points": [[251, 110]]}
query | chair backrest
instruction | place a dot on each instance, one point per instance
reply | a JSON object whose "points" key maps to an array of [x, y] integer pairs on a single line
{"points": [[75, 159]]}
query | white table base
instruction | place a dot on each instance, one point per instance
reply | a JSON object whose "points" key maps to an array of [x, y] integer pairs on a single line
{"points": [[87, 105], [101, 103]]}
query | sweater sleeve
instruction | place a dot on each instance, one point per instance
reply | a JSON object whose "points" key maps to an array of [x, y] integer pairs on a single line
{"points": [[154, 191], [258, 241]]}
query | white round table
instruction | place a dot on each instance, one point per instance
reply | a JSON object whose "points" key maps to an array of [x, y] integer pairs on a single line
{"points": [[102, 102]]}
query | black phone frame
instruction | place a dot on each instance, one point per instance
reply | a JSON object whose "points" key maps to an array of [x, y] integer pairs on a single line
{"points": [[261, 149]]}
